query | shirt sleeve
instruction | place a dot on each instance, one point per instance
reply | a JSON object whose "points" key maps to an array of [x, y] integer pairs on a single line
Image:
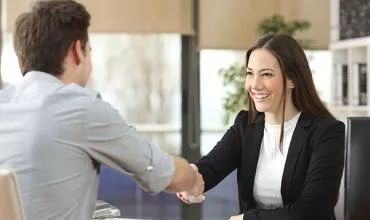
{"points": [[111, 141]]}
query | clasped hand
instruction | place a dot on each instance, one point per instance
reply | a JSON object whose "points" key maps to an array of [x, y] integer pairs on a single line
{"points": [[195, 193]]}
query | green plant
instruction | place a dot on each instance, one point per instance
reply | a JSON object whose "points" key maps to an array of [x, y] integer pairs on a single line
{"points": [[277, 24], [233, 76], [236, 98]]}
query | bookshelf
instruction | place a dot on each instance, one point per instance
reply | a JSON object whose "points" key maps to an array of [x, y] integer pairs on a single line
{"points": [[350, 77]]}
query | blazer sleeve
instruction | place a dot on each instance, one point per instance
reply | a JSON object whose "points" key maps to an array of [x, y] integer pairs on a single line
{"points": [[225, 156], [322, 183]]}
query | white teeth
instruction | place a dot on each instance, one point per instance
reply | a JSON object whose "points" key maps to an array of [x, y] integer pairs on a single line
{"points": [[260, 97]]}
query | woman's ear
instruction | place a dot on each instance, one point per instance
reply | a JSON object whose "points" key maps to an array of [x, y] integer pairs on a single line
{"points": [[290, 84]]}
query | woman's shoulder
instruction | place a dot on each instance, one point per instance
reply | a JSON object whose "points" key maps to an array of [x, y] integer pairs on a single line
{"points": [[241, 121], [325, 123], [242, 115], [326, 120]]}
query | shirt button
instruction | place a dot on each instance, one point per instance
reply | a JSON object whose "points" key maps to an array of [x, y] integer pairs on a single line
{"points": [[149, 168]]}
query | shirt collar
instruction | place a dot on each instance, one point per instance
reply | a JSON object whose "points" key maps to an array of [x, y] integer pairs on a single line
{"points": [[42, 76]]}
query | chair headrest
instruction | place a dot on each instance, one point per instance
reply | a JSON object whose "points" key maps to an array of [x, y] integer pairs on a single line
{"points": [[10, 203]]}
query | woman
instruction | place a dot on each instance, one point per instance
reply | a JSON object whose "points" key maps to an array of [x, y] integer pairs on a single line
{"points": [[287, 148]]}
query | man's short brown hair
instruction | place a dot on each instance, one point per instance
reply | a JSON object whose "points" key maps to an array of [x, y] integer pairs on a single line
{"points": [[43, 35]]}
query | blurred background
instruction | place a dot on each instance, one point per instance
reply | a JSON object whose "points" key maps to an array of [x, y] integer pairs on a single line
{"points": [[174, 69]]}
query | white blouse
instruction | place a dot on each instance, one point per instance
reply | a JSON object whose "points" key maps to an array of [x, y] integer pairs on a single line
{"points": [[270, 166]]}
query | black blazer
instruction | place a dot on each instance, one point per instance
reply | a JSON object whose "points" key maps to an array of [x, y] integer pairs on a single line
{"points": [[312, 172]]}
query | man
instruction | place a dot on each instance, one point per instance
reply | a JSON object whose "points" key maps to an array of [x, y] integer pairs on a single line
{"points": [[54, 132]]}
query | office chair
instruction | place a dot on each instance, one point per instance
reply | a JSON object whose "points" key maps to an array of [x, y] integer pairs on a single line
{"points": [[10, 203], [357, 171]]}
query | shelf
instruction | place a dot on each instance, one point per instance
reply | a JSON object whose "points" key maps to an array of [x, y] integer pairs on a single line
{"points": [[350, 43], [343, 112], [349, 108]]}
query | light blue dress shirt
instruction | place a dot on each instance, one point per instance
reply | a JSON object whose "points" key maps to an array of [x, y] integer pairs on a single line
{"points": [[54, 136]]}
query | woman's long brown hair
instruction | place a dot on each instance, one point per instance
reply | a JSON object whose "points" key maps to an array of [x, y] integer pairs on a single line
{"points": [[294, 66]]}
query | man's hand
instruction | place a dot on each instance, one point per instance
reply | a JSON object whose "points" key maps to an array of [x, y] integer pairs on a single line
{"points": [[198, 188], [237, 217], [195, 193]]}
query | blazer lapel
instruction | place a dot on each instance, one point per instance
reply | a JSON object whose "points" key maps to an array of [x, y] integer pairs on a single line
{"points": [[298, 140], [253, 139]]}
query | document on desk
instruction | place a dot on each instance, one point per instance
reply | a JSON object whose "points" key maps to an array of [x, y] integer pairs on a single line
{"points": [[104, 210]]}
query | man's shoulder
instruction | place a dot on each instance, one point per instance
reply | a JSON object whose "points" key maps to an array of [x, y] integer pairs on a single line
{"points": [[73, 95], [91, 100], [7, 91], [77, 90], [40, 90]]}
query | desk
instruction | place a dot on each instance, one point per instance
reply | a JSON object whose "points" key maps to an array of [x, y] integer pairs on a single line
{"points": [[122, 219]]}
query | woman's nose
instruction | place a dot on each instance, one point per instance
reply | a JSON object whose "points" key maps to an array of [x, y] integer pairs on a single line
{"points": [[256, 82]]}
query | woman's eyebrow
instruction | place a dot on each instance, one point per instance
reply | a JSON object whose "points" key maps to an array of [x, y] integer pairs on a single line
{"points": [[263, 69]]}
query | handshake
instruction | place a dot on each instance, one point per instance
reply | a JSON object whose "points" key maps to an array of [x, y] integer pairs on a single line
{"points": [[195, 193]]}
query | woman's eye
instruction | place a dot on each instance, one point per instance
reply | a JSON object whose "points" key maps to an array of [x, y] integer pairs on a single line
{"points": [[266, 74]]}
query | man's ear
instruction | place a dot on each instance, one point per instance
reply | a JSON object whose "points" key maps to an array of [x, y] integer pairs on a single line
{"points": [[78, 53]]}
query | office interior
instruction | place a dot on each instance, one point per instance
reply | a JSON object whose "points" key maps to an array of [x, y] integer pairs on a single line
{"points": [[158, 63]]}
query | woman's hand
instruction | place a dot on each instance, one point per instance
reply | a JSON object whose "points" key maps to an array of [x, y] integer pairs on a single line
{"points": [[193, 195], [190, 198]]}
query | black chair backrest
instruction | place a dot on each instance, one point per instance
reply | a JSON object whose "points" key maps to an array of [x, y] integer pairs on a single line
{"points": [[357, 172]]}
